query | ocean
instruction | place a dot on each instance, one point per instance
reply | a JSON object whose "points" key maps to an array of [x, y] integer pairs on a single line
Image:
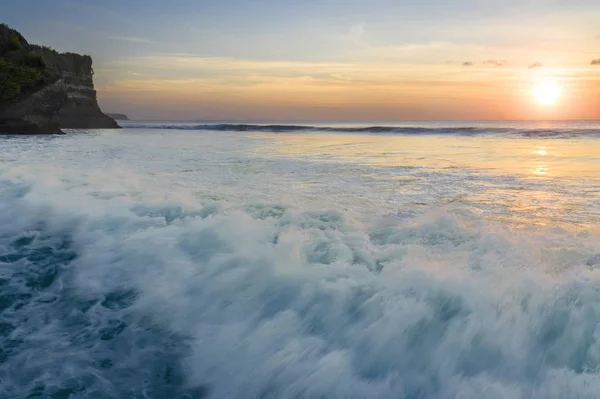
{"points": [[415, 260]]}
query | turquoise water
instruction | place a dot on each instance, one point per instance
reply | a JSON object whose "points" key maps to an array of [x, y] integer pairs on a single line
{"points": [[196, 260]]}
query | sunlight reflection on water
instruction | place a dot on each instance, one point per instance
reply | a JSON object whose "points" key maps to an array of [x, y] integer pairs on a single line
{"points": [[525, 181]]}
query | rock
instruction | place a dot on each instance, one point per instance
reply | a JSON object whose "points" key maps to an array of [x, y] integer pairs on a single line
{"points": [[43, 91], [36, 113], [118, 117]]}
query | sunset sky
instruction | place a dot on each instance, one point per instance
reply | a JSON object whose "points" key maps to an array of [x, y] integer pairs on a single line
{"points": [[328, 59]]}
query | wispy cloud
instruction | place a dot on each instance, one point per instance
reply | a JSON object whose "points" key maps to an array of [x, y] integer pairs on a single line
{"points": [[131, 39], [535, 65], [224, 65], [595, 62], [498, 63], [198, 74]]}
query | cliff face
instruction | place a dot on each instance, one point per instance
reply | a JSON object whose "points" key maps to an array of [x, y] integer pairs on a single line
{"points": [[80, 109], [56, 91], [36, 113]]}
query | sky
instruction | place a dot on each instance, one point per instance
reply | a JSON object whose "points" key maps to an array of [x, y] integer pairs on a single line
{"points": [[328, 59]]}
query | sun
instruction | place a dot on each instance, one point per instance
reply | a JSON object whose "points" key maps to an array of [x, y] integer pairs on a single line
{"points": [[546, 93]]}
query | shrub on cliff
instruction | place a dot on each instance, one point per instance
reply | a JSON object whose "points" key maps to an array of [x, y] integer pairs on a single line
{"points": [[14, 44], [20, 69], [17, 78]]}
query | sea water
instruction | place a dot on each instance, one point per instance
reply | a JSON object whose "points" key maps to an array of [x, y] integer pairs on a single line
{"points": [[227, 260]]}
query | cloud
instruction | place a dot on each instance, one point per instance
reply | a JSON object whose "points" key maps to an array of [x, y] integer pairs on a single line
{"points": [[131, 39], [595, 62], [535, 65], [498, 63]]}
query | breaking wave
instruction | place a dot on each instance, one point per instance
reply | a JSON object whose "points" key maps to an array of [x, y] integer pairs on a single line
{"points": [[160, 264], [463, 131], [111, 294]]}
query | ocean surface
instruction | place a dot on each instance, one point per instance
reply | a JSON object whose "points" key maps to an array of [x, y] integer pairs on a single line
{"points": [[298, 260]]}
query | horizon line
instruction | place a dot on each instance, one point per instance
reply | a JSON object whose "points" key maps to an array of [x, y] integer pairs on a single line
{"points": [[354, 120]]}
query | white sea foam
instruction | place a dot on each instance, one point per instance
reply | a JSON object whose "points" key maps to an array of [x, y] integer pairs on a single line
{"points": [[150, 268]]}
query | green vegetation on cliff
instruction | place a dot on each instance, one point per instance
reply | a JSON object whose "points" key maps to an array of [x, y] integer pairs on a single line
{"points": [[66, 62], [20, 69]]}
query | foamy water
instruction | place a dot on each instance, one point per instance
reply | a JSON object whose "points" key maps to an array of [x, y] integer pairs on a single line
{"points": [[161, 262]]}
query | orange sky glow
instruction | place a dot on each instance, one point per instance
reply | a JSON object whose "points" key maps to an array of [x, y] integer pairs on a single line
{"points": [[330, 59]]}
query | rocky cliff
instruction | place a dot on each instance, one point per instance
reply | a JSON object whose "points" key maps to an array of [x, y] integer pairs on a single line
{"points": [[43, 91]]}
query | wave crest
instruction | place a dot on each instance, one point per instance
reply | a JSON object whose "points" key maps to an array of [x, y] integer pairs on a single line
{"points": [[462, 131]]}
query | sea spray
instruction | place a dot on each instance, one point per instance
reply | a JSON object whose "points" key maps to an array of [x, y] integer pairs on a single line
{"points": [[183, 276]]}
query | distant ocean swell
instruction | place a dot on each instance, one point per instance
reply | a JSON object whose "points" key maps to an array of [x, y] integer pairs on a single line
{"points": [[465, 131], [109, 295]]}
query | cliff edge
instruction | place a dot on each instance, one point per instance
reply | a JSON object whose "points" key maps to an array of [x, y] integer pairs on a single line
{"points": [[43, 91]]}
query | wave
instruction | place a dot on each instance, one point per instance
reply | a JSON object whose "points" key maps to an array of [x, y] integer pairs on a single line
{"points": [[120, 295], [462, 131]]}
